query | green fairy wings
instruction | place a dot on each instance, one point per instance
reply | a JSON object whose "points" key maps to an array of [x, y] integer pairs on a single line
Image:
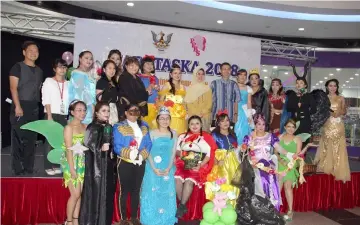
{"points": [[53, 132]]}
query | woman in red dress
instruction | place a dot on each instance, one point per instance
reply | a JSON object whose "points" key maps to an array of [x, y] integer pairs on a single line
{"points": [[277, 99], [195, 159]]}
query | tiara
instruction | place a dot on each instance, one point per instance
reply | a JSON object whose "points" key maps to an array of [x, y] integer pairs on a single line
{"points": [[164, 111], [254, 71]]}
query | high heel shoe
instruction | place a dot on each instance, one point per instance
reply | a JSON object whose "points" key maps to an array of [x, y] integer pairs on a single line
{"points": [[289, 215]]}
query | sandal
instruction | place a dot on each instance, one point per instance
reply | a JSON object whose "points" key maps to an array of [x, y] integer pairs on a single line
{"points": [[67, 221], [289, 215]]}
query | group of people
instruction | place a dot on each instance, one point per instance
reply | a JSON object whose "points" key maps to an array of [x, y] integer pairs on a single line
{"points": [[157, 141]]}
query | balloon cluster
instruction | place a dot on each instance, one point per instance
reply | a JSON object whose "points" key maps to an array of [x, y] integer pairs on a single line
{"points": [[219, 211]]}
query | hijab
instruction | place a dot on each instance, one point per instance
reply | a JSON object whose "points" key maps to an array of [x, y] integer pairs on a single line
{"points": [[197, 88]]}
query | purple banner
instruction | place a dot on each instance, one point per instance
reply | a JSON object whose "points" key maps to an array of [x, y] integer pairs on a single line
{"points": [[325, 60]]}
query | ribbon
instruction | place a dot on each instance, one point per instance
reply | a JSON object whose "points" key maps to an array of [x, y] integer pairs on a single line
{"points": [[149, 57], [222, 112]]}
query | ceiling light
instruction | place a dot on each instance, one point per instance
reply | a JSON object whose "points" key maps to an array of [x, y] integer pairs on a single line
{"points": [[275, 67], [321, 81], [338, 69], [265, 71], [356, 74], [263, 65], [347, 81], [317, 83], [220, 22], [325, 78], [265, 77], [314, 86], [286, 73], [301, 29], [331, 74], [351, 78], [130, 4], [344, 85]]}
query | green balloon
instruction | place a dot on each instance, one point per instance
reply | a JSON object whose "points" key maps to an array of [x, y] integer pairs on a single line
{"points": [[208, 205], [68, 73], [228, 216], [219, 223], [210, 216], [229, 206], [203, 222]]}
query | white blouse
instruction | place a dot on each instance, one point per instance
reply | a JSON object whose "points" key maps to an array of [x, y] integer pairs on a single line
{"points": [[51, 95]]}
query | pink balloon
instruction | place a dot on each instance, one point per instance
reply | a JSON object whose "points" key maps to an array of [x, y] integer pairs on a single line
{"points": [[68, 57]]}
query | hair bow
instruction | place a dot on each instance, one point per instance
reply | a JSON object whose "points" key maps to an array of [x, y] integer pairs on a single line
{"points": [[149, 57], [222, 112]]}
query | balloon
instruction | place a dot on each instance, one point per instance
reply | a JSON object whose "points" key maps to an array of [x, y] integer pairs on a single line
{"points": [[68, 57], [203, 222], [208, 205], [210, 216], [229, 206], [219, 223], [68, 73], [228, 216]]}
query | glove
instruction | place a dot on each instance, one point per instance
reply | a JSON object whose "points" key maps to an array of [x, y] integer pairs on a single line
{"points": [[133, 154], [139, 161]]}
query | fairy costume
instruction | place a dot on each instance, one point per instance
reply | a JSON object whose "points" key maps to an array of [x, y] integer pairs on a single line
{"points": [[175, 104], [82, 87], [150, 79], [79, 163], [242, 126], [292, 174], [226, 145]]}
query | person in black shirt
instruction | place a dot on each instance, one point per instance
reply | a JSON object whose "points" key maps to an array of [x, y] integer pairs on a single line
{"points": [[132, 87], [25, 84], [107, 90]]}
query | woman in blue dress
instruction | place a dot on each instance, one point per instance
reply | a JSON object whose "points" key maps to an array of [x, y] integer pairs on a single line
{"points": [[158, 195], [244, 123], [82, 84]]}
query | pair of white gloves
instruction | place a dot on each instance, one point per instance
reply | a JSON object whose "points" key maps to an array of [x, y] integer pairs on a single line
{"points": [[134, 153]]}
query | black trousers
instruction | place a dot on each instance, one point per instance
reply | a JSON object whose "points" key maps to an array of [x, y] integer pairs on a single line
{"points": [[47, 148], [130, 178], [23, 141]]}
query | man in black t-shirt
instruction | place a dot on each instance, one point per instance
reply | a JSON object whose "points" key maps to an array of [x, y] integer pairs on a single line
{"points": [[25, 83]]}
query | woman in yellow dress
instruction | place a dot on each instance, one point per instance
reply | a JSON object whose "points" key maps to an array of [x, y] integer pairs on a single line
{"points": [[226, 161], [198, 98], [172, 96], [331, 156]]}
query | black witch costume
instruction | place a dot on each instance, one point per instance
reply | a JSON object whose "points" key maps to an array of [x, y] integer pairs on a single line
{"points": [[311, 109], [252, 209], [97, 197], [133, 91], [260, 101]]}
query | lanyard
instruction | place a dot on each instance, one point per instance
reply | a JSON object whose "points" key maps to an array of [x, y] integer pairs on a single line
{"points": [[61, 90]]}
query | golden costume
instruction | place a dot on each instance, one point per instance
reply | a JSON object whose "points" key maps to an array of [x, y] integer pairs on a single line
{"points": [[175, 104], [198, 100], [331, 156]]}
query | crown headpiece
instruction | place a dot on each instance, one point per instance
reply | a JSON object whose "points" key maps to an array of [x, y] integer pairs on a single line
{"points": [[164, 111], [254, 71]]}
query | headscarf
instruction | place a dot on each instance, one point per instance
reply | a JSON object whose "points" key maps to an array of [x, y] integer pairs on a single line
{"points": [[196, 89]]}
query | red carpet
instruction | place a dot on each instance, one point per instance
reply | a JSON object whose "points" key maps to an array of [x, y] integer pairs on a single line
{"points": [[43, 200]]}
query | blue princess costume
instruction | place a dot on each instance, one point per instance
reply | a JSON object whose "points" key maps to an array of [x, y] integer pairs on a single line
{"points": [[132, 144], [82, 87]]}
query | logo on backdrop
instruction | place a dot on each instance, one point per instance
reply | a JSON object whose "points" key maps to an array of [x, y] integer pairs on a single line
{"points": [[160, 43], [198, 43]]}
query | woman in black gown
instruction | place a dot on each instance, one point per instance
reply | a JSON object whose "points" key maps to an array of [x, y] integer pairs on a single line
{"points": [[98, 191]]}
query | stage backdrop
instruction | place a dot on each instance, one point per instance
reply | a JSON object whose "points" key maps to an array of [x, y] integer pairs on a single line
{"points": [[186, 47]]}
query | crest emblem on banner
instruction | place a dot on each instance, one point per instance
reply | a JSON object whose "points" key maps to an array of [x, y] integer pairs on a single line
{"points": [[160, 42], [198, 43]]}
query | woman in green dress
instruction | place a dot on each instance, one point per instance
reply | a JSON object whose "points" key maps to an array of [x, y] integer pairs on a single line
{"points": [[291, 144], [73, 160]]}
